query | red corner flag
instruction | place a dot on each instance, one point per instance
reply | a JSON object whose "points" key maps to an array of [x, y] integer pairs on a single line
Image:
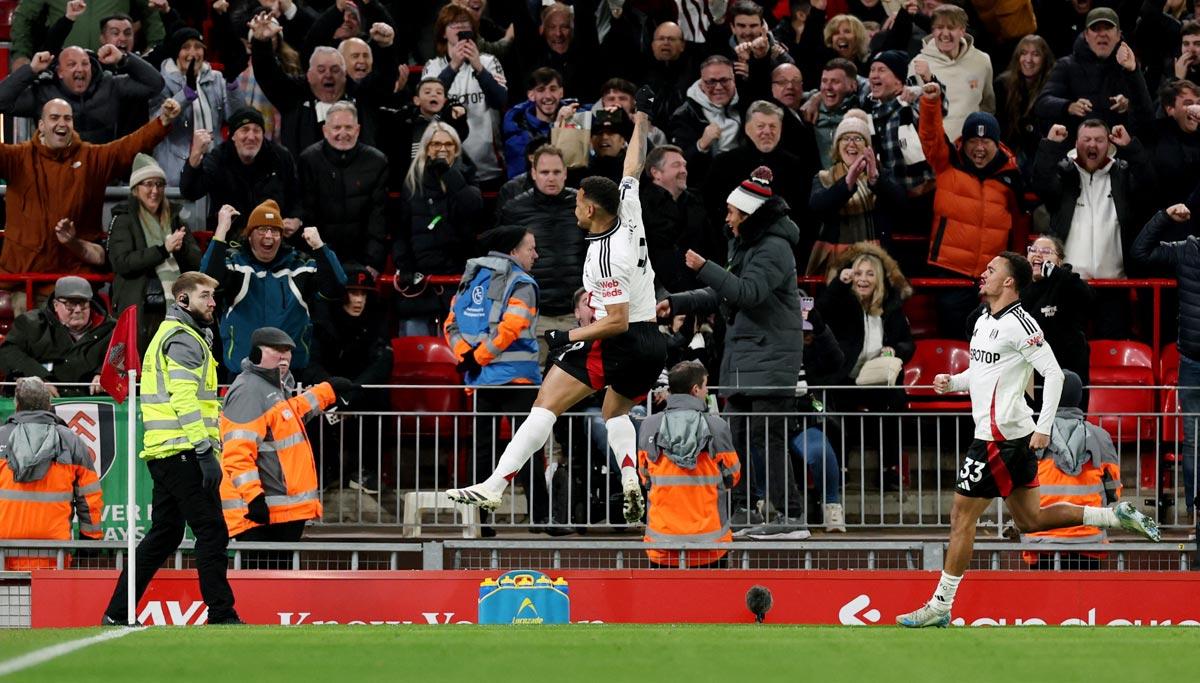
{"points": [[122, 356]]}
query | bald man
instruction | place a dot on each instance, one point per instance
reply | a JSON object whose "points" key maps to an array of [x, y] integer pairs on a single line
{"points": [[97, 97], [357, 55]]}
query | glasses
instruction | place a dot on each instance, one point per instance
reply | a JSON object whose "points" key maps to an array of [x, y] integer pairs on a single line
{"points": [[1044, 251], [799, 83], [153, 184], [442, 145], [265, 229], [717, 82], [856, 139], [72, 304]]}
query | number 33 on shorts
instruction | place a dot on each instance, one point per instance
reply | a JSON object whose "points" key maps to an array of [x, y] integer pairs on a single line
{"points": [[971, 473]]}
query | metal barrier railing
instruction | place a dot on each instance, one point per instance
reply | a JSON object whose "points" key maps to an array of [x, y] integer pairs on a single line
{"points": [[890, 469]]}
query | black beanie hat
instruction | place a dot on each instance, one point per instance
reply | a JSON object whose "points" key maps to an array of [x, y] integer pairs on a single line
{"points": [[180, 37], [895, 60], [503, 239], [243, 116]]}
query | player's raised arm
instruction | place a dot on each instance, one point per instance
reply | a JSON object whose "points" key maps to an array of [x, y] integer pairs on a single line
{"points": [[636, 152]]}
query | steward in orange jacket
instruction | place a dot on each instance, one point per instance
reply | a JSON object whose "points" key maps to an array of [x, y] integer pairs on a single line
{"points": [[1079, 466], [270, 477], [46, 475], [686, 457], [978, 185]]}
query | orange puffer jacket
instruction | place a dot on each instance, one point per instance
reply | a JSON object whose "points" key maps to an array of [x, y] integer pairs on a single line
{"points": [[973, 211]]}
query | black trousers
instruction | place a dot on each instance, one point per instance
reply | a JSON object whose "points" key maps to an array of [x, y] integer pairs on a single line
{"points": [[516, 404], [771, 475], [179, 498]]}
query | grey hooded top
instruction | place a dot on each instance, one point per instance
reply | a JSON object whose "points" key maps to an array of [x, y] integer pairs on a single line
{"points": [[32, 440]]}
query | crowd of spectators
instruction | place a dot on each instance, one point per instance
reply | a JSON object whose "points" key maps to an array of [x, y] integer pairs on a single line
{"points": [[369, 138]]}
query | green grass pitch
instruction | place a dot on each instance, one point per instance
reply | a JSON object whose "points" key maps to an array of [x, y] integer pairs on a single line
{"points": [[614, 652]]}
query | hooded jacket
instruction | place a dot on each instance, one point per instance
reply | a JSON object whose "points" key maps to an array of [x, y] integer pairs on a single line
{"points": [[687, 458], [758, 296], [46, 473], [46, 185], [560, 244], [693, 116], [973, 209], [842, 312], [172, 153], [98, 109], [1082, 74], [38, 345], [1058, 180], [967, 77], [520, 125], [344, 196]]}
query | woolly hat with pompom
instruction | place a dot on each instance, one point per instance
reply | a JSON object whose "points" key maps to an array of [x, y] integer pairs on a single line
{"points": [[854, 121], [752, 193]]}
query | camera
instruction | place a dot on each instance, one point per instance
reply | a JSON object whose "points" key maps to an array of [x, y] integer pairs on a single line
{"points": [[466, 35]]}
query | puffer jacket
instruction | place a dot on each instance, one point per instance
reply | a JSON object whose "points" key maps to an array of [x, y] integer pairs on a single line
{"points": [[344, 196], [760, 301], [38, 345], [97, 110], [1082, 74], [520, 125], [172, 153], [560, 244], [253, 294], [1184, 257], [974, 209], [1006, 20], [842, 312], [436, 234]]}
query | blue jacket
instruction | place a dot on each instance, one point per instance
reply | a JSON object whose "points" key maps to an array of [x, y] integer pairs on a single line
{"points": [[520, 126], [254, 294], [494, 317]]}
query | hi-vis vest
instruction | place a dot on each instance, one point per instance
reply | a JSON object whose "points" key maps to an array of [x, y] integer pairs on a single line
{"points": [[482, 310], [174, 428]]}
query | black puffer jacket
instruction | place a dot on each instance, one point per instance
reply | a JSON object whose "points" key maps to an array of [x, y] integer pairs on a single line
{"points": [[1184, 256], [344, 196], [226, 180], [1062, 305], [436, 234], [1082, 74], [560, 244], [758, 296]]}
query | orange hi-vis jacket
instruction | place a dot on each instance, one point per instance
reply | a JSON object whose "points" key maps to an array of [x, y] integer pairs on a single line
{"points": [[687, 458], [265, 448], [1080, 467], [46, 474]]}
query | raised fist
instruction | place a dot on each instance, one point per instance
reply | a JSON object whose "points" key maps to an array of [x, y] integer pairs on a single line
{"points": [[109, 54], [1058, 133], [41, 61]]}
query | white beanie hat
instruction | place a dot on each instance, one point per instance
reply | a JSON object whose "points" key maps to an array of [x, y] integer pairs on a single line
{"points": [[854, 121], [752, 193], [145, 168]]}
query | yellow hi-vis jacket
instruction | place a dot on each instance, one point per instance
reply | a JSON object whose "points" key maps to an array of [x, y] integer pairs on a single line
{"points": [[179, 389]]}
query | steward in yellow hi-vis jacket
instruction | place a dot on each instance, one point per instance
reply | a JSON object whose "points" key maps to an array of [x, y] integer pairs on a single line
{"points": [[686, 456], [182, 450], [270, 487]]}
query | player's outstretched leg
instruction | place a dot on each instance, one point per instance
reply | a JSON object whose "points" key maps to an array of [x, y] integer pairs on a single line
{"points": [[529, 437], [1135, 520]]}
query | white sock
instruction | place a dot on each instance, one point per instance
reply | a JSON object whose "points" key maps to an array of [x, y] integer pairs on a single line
{"points": [[943, 597], [529, 437], [1101, 517], [622, 439]]}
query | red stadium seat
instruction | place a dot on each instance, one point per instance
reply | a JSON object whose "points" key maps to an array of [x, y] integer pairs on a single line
{"points": [[427, 360], [7, 7], [1121, 362], [933, 357], [922, 315], [1113, 410]]}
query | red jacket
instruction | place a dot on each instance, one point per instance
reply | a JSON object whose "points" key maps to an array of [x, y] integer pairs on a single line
{"points": [[972, 215]]}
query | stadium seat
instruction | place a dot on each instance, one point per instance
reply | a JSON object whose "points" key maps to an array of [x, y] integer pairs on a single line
{"points": [[7, 7], [1121, 362], [427, 360], [931, 358], [922, 315], [417, 502], [1116, 411]]}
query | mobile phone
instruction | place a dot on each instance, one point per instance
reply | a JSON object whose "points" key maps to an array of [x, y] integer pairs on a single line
{"points": [[806, 305], [466, 35], [1047, 268]]}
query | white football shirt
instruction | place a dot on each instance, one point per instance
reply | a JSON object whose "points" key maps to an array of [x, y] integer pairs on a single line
{"points": [[1005, 350], [617, 269]]}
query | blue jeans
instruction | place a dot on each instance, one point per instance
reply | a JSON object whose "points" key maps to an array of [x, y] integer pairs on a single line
{"points": [[1189, 406], [818, 453]]}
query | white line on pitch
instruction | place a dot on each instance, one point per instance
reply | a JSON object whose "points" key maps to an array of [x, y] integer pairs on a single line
{"points": [[55, 651]]}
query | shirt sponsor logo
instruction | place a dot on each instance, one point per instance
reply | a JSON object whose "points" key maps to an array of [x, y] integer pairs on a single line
{"points": [[1035, 340], [984, 356]]}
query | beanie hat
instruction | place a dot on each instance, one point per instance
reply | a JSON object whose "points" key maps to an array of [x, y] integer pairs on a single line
{"points": [[981, 125], [244, 116], [751, 194], [1072, 390], [854, 121], [271, 336], [895, 60], [178, 38], [503, 239], [266, 214], [145, 168]]}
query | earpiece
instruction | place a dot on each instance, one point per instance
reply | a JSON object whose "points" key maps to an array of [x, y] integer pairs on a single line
{"points": [[184, 300]]}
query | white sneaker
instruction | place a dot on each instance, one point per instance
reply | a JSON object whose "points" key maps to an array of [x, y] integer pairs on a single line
{"points": [[1134, 520], [635, 506], [476, 495], [925, 616], [835, 518]]}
